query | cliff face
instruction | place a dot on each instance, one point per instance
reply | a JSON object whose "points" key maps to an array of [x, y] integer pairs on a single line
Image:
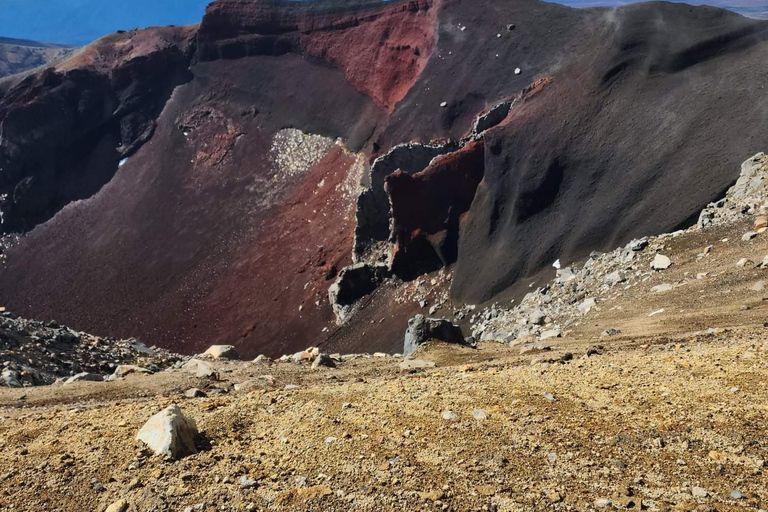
{"points": [[556, 131], [65, 129]]}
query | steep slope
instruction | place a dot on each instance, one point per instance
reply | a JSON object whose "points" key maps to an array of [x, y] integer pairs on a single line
{"points": [[248, 138], [18, 55]]}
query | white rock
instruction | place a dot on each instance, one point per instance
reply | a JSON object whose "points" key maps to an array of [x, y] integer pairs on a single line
{"points": [[518, 71], [759, 286], [699, 492], [661, 288], [742, 262], [222, 352], [657, 312], [169, 433], [126, 369], [84, 376], [661, 262], [586, 306]]}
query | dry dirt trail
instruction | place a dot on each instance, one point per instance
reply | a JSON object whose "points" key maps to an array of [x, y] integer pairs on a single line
{"points": [[664, 416]]}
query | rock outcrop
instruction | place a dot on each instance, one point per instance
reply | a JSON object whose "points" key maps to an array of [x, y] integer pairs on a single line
{"points": [[422, 329]]}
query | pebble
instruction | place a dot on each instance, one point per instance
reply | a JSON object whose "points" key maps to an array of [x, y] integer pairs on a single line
{"points": [[736, 495], [120, 505], [699, 492], [548, 396], [479, 414], [759, 286], [247, 483], [749, 235], [449, 415], [602, 503], [661, 288]]}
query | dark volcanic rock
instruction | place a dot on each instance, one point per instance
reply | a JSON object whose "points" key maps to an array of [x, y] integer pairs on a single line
{"points": [[422, 329], [354, 283]]}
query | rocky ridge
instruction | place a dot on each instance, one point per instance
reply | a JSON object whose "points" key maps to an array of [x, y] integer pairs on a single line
{"points": [[34, 353], [550, 310]]}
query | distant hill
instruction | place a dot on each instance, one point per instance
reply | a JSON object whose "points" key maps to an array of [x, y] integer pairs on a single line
{"points": [[757, 9], [79, 22], [19, 55]]}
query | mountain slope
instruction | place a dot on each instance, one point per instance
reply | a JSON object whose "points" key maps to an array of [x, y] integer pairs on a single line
{"points": [[17, 55], [247, 138]]}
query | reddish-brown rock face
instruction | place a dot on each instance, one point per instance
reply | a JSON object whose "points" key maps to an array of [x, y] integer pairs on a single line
{"points": [[427, 207], [381, 48]]}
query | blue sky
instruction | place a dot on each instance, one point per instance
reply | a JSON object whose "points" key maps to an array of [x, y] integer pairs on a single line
{"points": [[78, 22]]}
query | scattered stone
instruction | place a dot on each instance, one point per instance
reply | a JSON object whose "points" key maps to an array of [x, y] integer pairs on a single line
{"points": [[120, 505], [537, 317], [661, 288], [421, 329], [549, 397], [222, 352], [742, 262], [749, 235], [205, 370], [552, 333], [602, 503], [127, 369], [169, 433], [699, 492], [657, 312], [10, 378], [759, 286], [247, 483], [736, 495], [84, 377], [611, 332], [586, 306], [596, 350], [661, 262], [194, 393], [518, 71], [323, 360], [449, 416], [330, 440], [479, 414]]}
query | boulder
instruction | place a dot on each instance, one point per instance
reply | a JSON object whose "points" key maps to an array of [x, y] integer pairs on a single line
{"points": [[421, 329], [323, 360], [9, 378], [83, 377], [661, 262], [222, 352], [126, 369], [169, 433]]}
